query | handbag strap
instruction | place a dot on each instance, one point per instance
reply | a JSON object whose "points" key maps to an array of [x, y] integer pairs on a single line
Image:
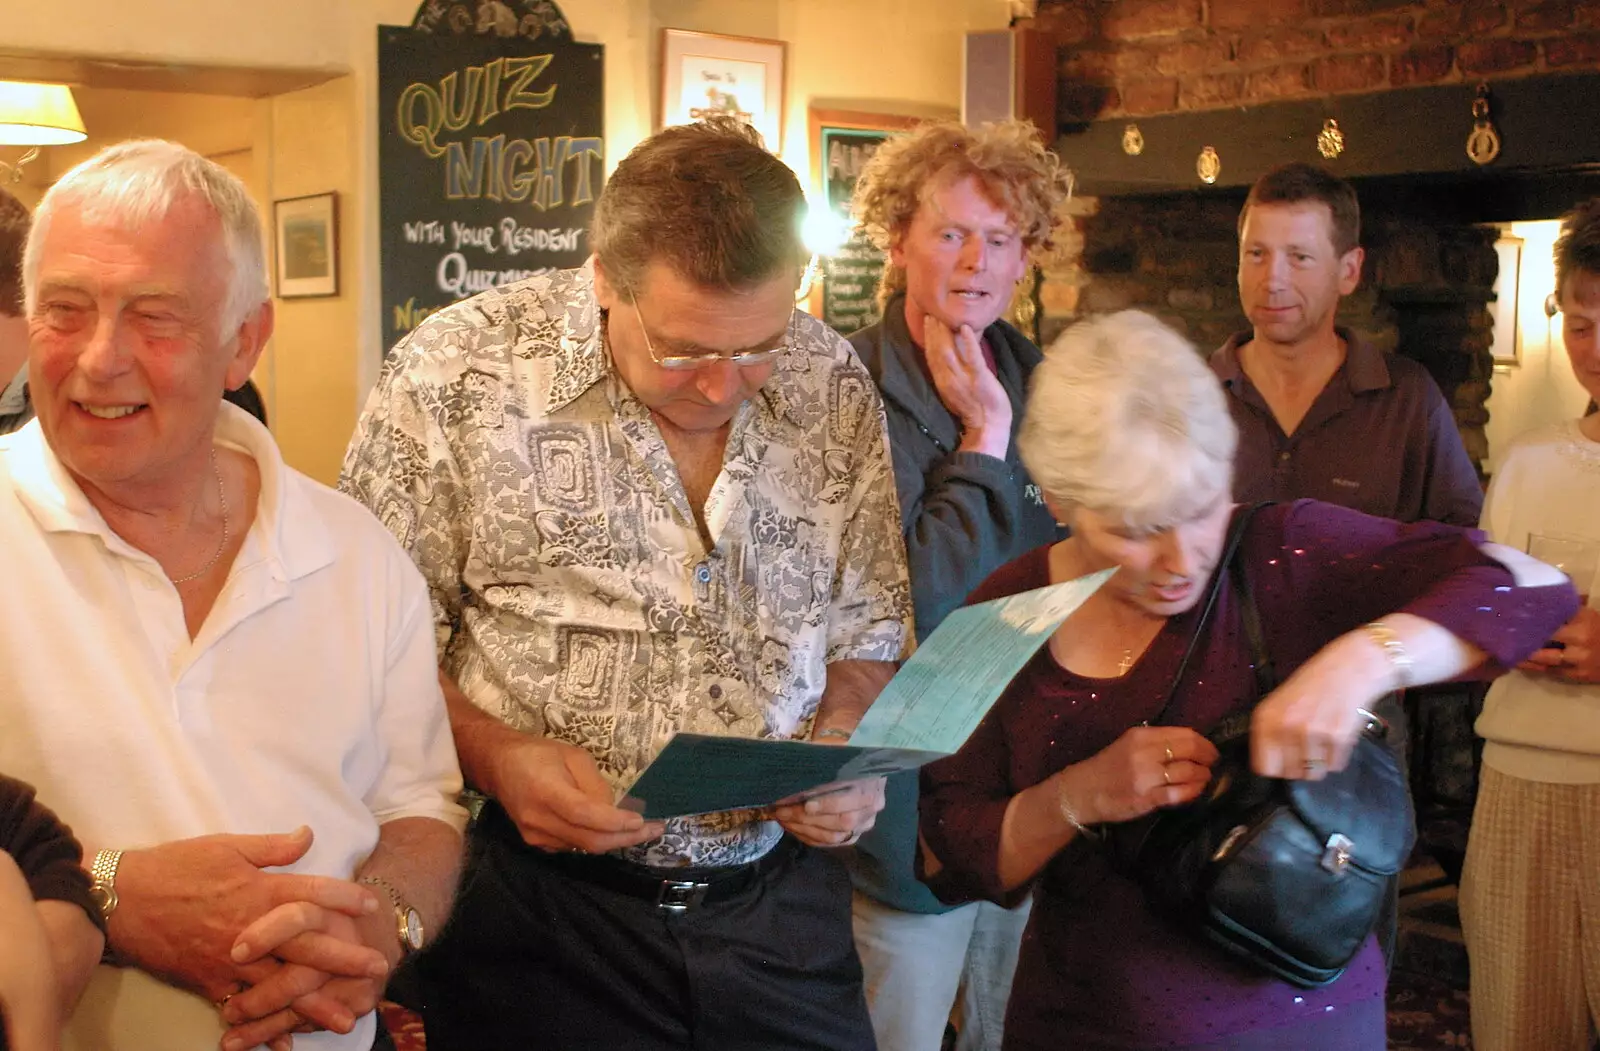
{"points": [[1236, 529], [1266, 674], [1237, 723]]}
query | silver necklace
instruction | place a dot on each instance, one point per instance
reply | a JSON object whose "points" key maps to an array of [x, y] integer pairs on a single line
{"points": [[222, 496]]}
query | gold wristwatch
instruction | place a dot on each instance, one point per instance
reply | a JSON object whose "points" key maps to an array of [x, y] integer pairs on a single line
{"points": [[407, 920], [103, 892], [103, 882]]}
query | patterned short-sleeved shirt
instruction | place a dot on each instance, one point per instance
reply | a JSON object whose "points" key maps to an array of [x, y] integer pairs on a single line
{"points": [[573, 594]]}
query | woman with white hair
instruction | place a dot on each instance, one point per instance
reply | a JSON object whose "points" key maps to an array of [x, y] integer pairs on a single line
{"points": [[1128, 433]]}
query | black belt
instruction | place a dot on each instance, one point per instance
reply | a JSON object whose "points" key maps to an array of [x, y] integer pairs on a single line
{"points": [[672, 890]]}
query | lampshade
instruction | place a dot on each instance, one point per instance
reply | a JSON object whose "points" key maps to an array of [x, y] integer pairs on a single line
{"points": [[38, 115]]}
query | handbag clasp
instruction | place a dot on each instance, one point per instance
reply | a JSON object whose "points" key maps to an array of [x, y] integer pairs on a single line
{"points": [[1336, 853], [1234, 835]]}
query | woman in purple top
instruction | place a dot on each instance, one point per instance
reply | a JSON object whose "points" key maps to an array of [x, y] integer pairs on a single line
{"points": [[1129, 435]]}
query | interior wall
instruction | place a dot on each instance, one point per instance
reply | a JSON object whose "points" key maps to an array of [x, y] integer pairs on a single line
{"points": [[209, 124], [286, 33], [839, 53], [34, 179], [215, 125], [888, 55], [312, 385], [1542, 389]]}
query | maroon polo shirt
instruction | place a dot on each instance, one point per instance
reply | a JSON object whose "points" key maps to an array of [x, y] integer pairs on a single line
{"points": [[1379, 438]]}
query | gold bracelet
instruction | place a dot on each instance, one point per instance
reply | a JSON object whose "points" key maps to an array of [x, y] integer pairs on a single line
{"points": [[1388, 640], [1065, 806], [831, 731]]}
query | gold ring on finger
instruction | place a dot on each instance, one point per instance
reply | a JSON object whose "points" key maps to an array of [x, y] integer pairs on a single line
{"points": [[1169, 753], [1166, 774]]}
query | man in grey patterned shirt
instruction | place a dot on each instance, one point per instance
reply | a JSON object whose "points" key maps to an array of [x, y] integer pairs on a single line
{"points": [[648, 497]]}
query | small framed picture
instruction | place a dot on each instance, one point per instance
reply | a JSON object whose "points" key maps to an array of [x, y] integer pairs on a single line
{"points": [[307, 242], [706, 73], [842, 142]]}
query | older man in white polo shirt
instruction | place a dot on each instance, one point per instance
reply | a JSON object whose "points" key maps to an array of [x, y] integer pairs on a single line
{"points": [[220, 673]]}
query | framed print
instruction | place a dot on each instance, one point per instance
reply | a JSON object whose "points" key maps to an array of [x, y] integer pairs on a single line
{"points": [[707, 73], [307, 245], [842, 141], [1507, 345]]}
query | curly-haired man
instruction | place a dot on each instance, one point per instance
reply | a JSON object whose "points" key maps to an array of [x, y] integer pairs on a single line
{"points": [[962, 213]]}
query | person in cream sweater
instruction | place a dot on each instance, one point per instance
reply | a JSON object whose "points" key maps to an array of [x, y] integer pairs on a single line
{"points": [[1530, 892]]}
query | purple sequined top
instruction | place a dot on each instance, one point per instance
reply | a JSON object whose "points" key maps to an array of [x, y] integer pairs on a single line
{"points": [[1098, 969]]}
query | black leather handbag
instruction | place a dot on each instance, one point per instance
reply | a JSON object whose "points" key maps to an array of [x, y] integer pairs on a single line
{"points": [[1288, 875]]}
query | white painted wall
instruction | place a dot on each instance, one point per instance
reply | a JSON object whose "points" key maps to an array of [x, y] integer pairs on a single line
{"points": [[886, 55], [1542, 388]]}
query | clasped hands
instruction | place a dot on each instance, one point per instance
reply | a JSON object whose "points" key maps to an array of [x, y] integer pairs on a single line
{"points": [[559, 801], [278, 952]]}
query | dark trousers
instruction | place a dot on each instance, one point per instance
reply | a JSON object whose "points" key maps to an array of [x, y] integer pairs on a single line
{"points": [[535, 957]]}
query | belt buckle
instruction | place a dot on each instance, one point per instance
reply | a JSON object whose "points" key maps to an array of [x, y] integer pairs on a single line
{"points": [[679, 896]]}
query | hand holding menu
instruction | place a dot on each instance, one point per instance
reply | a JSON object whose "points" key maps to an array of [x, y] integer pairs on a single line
{"points": [[927, 711]]}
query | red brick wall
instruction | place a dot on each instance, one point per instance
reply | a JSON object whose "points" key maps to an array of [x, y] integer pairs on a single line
{"points": [[1124, 58]]}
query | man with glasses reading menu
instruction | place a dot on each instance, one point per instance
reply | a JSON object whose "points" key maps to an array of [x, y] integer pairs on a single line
{"points": [[649, 497]]}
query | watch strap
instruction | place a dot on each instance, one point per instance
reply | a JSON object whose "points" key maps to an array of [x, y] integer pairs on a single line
{"points": [[1394, 650], [103, 874], [403, 912], [388, 888], [103, 892]]}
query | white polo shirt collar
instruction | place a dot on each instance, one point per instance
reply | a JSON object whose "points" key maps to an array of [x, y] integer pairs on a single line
{"points": [[287, 539]]}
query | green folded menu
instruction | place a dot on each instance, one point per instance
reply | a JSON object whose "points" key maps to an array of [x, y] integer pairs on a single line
{"points": [[926, 712]]}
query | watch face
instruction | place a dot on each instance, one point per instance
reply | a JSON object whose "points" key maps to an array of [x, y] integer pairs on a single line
{"points": [[104, 898], [412, 932]]}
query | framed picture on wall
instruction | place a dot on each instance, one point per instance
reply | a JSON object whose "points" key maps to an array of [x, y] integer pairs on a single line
{"points": [[841, 143], [1507, 346], [707, 73], [306, 239]]}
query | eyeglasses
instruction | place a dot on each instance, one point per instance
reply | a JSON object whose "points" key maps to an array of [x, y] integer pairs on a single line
{"points": [[689, 362]]}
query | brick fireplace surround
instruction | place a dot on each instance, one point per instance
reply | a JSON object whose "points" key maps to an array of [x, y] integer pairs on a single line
{"points": [[1430, 269]]}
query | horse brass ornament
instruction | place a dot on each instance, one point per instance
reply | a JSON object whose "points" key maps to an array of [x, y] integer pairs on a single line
{"points": [[1330, 140], [1483, 144]]}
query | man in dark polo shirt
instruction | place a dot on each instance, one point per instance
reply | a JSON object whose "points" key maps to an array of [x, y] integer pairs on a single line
{"points": [[1321, 412]]}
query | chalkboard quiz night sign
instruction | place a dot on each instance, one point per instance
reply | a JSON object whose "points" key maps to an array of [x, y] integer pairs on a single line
{"points": [[491, 152]]}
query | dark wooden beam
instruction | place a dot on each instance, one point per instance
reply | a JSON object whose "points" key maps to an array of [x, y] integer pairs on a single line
{"points": [[1547, 124]]}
